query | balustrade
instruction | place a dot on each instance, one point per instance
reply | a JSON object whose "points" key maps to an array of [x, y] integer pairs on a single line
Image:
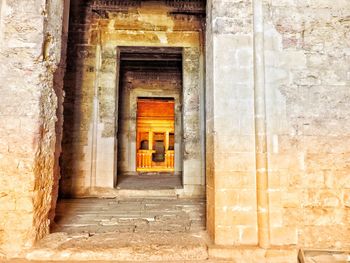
{"points": [[169, 159], [144, 158], [144, 161]]}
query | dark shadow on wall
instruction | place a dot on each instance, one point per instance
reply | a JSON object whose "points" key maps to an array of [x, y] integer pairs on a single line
{"points": [[58, 83], [76, 114]]}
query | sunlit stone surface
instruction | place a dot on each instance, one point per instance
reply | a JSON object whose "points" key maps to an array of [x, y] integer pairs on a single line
{"points": [[59, 120]]}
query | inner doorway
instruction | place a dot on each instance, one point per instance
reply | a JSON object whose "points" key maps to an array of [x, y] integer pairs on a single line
{"points": [[150, 118], [126, 51], [155, 135]]}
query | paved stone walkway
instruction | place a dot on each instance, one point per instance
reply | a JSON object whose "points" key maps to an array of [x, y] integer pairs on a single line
{"points": [[150, 181], [162, 229], [130, 215]]}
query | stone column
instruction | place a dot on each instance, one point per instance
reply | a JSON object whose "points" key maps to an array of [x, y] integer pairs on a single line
{"points": [[260, 126], [231, 185], [58, 86], [192, 159], [107, 95], [30, 53]]}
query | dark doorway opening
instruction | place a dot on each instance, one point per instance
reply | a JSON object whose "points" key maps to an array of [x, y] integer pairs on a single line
{"points": [[149, 126]]}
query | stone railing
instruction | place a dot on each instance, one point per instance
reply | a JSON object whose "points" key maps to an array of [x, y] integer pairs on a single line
{"points": [[144, 161], [169, 159], [144, 158]]}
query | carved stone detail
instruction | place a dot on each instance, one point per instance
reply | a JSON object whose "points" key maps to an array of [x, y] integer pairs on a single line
{"points": [[187, 6], [177, 6], [114, 4]]}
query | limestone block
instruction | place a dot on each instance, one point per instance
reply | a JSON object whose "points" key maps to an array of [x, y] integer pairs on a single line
{"points": [[226, 197], [276, 216], [275, 180], [192, 180], [326, 161], [323, 216], [292, 217], [328, 198], [248, 235], [273, 58], [276, 76], [295, 60], [285, 161], [227, 126], [233, 144], [246, 218], [226, 235], [235, 180], [245, 58], [275, 199], [284, 236], [291, 199], [238, 162]]}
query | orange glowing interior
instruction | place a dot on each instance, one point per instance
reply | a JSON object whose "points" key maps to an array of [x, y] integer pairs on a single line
{"points": [[155, 135]]}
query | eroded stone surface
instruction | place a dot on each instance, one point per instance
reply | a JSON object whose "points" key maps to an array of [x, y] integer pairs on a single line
{"points": [[306, 85], [30, 54], [307, 92], [139, 215], [140, 229], [121, 246]]}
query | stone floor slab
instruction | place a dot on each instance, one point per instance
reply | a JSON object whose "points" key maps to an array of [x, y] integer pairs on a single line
{"points": [[128, 246], [148, 214]]}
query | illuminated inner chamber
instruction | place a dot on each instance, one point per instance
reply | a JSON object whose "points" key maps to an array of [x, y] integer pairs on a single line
{"points": [[155, 134]]}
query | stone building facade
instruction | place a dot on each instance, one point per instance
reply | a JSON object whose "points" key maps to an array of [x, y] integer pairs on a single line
{"points": [[265, 89]]}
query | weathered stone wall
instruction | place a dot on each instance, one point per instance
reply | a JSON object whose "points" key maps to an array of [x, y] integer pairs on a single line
{"points": [[307, 92], [58, 82], [307, 82], [307, 88], [231, 188], [89, 141], [30, 52]]}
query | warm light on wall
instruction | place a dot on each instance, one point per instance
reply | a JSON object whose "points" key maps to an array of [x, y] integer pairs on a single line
{"points": [[155, 135]]}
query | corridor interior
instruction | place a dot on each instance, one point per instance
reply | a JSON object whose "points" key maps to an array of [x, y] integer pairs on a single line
{"points": [[149, 103]]}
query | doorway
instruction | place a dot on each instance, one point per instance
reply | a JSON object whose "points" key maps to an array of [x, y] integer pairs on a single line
{"points": [[150, 118], [122, 55], [163, 58], [155, 135]]}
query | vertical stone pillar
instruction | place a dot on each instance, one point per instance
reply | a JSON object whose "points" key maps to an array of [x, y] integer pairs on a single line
{"points": [[77, 143], [231, 184], [260, 126], [106, 119], [58, 86], [192, 159], [30, 52]]}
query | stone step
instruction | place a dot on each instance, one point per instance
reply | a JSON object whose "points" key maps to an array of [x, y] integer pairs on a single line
{"points": [[128, 247]]}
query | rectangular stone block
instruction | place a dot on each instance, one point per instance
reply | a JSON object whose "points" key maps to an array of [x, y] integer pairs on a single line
{"points": [[284, 236]]}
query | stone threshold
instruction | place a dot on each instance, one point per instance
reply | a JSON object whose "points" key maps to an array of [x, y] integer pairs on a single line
{"points": [[140, 247], [101, 192]]}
